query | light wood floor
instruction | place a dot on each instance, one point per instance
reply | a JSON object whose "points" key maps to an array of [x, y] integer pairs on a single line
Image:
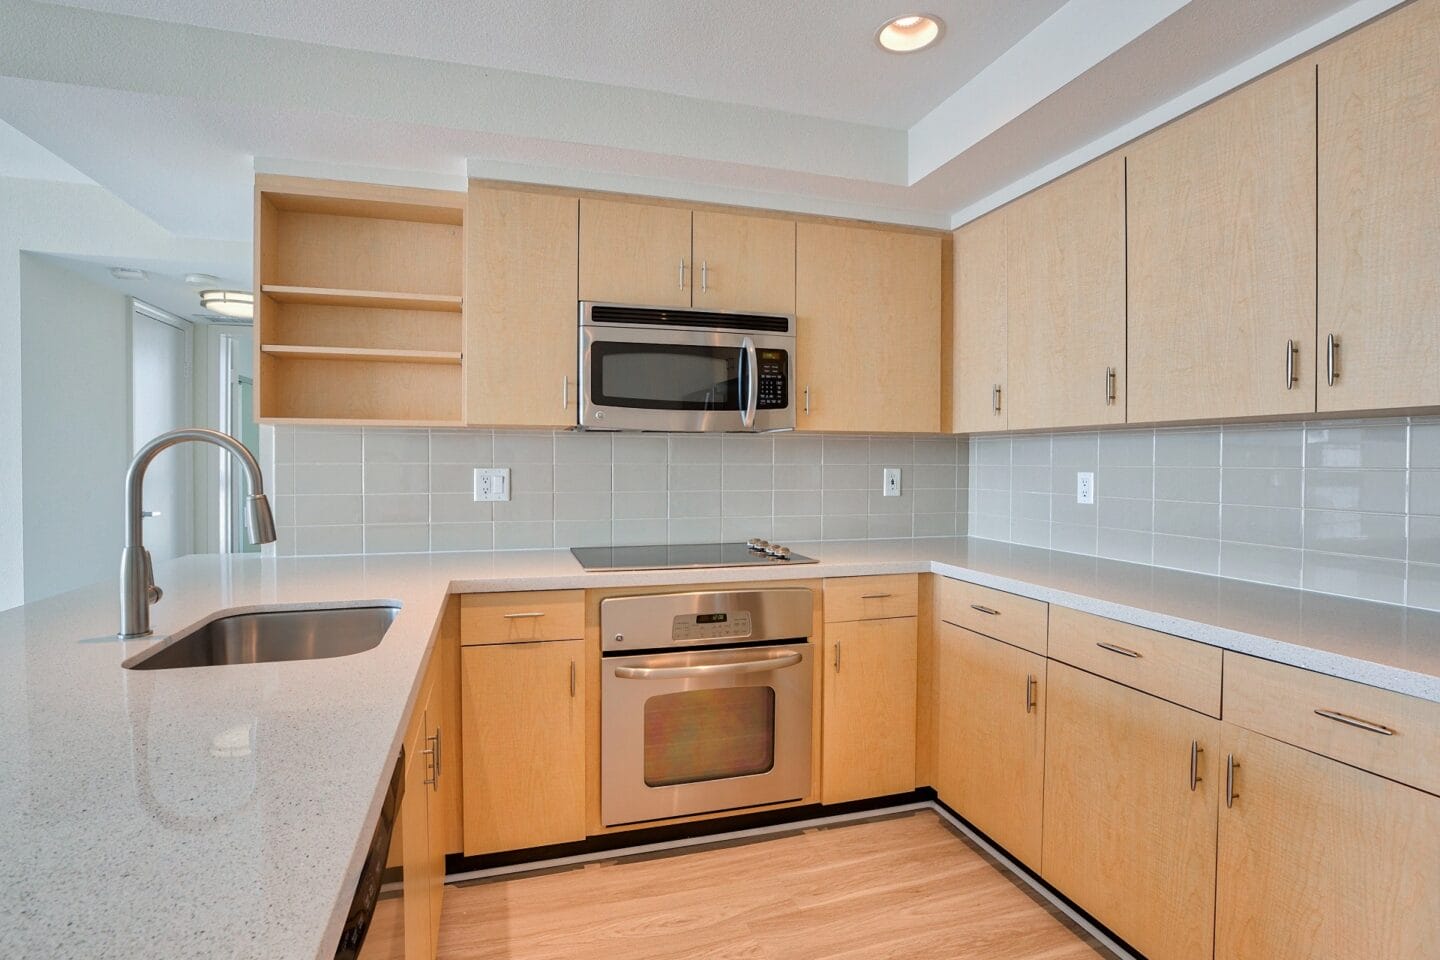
{"points": [[903, 887]]}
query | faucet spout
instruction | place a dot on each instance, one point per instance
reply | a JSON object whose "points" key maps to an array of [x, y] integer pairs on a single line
{"points": [[137, 578]]}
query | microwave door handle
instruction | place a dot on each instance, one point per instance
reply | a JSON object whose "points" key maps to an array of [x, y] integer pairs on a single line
{"points": [[767, 665], [750, 367]]}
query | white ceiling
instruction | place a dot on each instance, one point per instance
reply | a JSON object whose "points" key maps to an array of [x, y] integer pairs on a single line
{"points": [[172, 105]]}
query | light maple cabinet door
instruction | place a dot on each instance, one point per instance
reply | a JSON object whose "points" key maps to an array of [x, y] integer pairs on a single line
{"points": [[979, 390], [520, 308], [415, 853], [1321, 861], [1222, 257], [868, 715], [867, 304], [990, 736], [1379, 206], [636, 253], [1129, 834], [1066, 293], [745, 264], [523, 709]]}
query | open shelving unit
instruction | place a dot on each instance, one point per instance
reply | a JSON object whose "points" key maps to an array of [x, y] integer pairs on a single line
{"points": [[358, 308]]}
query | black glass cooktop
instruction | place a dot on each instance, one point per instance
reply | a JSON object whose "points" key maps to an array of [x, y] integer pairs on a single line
{"points": [[667, 556]]}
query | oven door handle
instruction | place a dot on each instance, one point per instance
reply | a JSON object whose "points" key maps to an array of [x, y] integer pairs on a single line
{"points": [[750, 364], [787, 659]]}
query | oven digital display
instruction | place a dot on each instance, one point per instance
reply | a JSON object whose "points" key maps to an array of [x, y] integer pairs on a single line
{"points": [[709, 627], [711, 618]]}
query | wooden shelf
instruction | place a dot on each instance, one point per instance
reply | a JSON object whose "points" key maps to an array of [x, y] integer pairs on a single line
{"points": [[331, 296], [360, 353]]}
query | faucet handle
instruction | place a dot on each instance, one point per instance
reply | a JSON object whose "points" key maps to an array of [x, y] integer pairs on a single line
{"points": [[153, 593]]}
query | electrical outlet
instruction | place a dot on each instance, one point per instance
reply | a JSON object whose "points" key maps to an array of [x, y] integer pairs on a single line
{"points": [[1084, 488], [891, 485], [492, 483]]}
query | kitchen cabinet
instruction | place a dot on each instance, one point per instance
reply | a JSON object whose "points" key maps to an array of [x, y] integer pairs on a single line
{"points": [[523, 708], [990, 737], [868, 715], [1221, 255], [1131, 785], [422, 835], [1066, 293], [867, 304], [1320, 861], [745, 263], [521, 257], [979, 389], [1379, 127], [635, 253]]}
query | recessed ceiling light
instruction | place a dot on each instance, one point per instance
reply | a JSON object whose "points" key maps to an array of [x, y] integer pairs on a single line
{"points": [[128, 273], [228, 303], [201, 279], [910, 33]]}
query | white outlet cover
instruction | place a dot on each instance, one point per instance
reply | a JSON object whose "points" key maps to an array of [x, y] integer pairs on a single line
{"points": [[890, 487], [492, 483], [1084, 488]]}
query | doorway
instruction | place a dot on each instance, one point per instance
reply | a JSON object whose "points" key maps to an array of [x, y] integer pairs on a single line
{"points": [[162, 399]]}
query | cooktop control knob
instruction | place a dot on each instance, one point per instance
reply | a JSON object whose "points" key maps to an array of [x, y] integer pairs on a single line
{"points": [[758, 545], [777, 551]]}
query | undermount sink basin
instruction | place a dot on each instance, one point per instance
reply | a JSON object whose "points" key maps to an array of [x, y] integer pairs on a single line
{"points": [[274, 635]]}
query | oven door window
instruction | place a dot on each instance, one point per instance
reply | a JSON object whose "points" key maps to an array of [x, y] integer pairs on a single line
{"points": [[710, 734], [665, 376]]}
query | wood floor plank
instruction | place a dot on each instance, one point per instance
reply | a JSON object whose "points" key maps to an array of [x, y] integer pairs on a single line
{"points": [[901, 887]]}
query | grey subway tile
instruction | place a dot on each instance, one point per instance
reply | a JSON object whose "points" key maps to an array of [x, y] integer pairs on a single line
{"points": [[1359, 534], [1366, 578]]}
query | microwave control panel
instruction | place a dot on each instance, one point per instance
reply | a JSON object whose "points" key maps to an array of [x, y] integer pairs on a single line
{"points": [[774, 378], [693, 627]]}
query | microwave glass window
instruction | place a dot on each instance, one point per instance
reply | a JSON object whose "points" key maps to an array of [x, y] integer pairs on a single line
{"points": [[665, 376], [712, 734]]}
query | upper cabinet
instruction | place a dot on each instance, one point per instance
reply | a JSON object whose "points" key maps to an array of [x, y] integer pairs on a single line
{"points": [[1222, 257], [979, 391], [667, 256], [1379, 316], [520, 313], [867, 305], [1066, 293], [744, 263]]}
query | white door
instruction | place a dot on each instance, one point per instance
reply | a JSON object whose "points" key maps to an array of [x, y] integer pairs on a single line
{"points": [[161, 400]]}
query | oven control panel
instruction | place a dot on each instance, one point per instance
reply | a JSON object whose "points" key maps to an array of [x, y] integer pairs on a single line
{"points": [[701, 627]]}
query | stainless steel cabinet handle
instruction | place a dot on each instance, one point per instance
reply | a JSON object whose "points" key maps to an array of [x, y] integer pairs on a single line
{"points": [[1332, 347], [524, 616], [1350, 721], [837, 656], [704, 276], [875, 596], [565, 393], [995, 398], [807, 399], [988, 610], [1231, 765], [767, 665], [433, 752], [1195, 751], [1115, 648], [1030, 685], [1109, 386], [1289, 364], [682, 273], [572, 679]]}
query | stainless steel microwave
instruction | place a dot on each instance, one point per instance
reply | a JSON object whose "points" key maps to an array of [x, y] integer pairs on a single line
{"points": [[681, 370]]}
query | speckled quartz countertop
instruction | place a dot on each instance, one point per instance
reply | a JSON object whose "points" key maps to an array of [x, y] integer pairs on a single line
{"points": [[224, 811]]}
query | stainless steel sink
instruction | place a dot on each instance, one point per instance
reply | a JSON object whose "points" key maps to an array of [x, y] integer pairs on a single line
{"points": [[274, 635]]}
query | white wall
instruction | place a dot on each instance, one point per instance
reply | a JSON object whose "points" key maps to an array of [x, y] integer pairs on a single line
{"points": [[75, 378]]}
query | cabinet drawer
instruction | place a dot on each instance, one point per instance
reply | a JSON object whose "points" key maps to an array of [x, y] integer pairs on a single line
{"points": [[1377, 730], [1172, 668], [522, 617], [871, 598], [1016, 620]]}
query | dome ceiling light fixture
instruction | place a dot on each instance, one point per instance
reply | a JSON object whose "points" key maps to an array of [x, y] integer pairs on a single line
{"points": [[910, 34], [229, 303]]}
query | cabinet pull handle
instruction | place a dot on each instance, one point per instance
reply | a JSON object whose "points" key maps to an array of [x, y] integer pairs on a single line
{"points": [[837, 656], [565, 393], [572, 679], [524, 616], [995, 398], [434, 754], [1195, 751], [1332, 347], [1109, 386], [1116, 648], [807, 399], [987, 610], [875, 596], [682, 273], [1290, 351], [1350, 721], [1231, 765], [1030, 684], [704, 276]]}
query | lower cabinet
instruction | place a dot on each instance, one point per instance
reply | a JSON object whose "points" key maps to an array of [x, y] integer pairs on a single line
{"points": [[523, 713], [423, 832], [1321, 861], [868, 738], [1131, 787], [990, 737]]}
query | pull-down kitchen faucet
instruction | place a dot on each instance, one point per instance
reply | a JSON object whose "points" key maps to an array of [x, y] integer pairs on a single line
{"points": [[137, 576]]}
